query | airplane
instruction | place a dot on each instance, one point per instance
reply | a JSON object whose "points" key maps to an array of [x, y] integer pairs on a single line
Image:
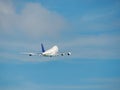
{"points": [[52, 52]]}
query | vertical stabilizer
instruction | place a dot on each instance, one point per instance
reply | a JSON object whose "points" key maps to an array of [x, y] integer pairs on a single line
{"points": [[43, 50]]}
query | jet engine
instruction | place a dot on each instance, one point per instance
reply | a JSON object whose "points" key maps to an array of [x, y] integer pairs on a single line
{"points": [[30, 54], [62, 54], [69, 53]]}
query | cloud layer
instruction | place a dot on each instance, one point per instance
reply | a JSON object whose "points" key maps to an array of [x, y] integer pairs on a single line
{"points": [[23, 29], [33, 20]]}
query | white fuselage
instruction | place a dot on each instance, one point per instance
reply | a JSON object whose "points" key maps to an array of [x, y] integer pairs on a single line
{"points": [[51, 52]]}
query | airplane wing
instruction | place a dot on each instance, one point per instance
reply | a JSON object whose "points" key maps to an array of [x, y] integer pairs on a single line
{"points": [[31, 54]]}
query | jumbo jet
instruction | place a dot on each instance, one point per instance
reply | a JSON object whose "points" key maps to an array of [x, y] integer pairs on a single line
{"points": [[54, 51]]}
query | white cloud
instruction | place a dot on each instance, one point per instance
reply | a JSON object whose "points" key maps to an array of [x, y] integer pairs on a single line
{"points": [[37, 20], [33, 20], [6, 8], [6, 16]]}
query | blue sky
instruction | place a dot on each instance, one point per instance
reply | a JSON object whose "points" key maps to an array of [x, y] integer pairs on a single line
{"points": [[90, 29]]}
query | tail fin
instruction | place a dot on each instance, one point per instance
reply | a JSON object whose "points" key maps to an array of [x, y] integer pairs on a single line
{"points": [[43, 50]]}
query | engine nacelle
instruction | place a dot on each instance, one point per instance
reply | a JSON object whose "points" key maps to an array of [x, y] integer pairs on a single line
{"points": [[62, 54], [30, 54], [69, 53]]}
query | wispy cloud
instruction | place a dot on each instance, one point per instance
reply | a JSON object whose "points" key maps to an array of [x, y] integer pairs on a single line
{"points": [[95, 46], [87, 47], [99, 19]]}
